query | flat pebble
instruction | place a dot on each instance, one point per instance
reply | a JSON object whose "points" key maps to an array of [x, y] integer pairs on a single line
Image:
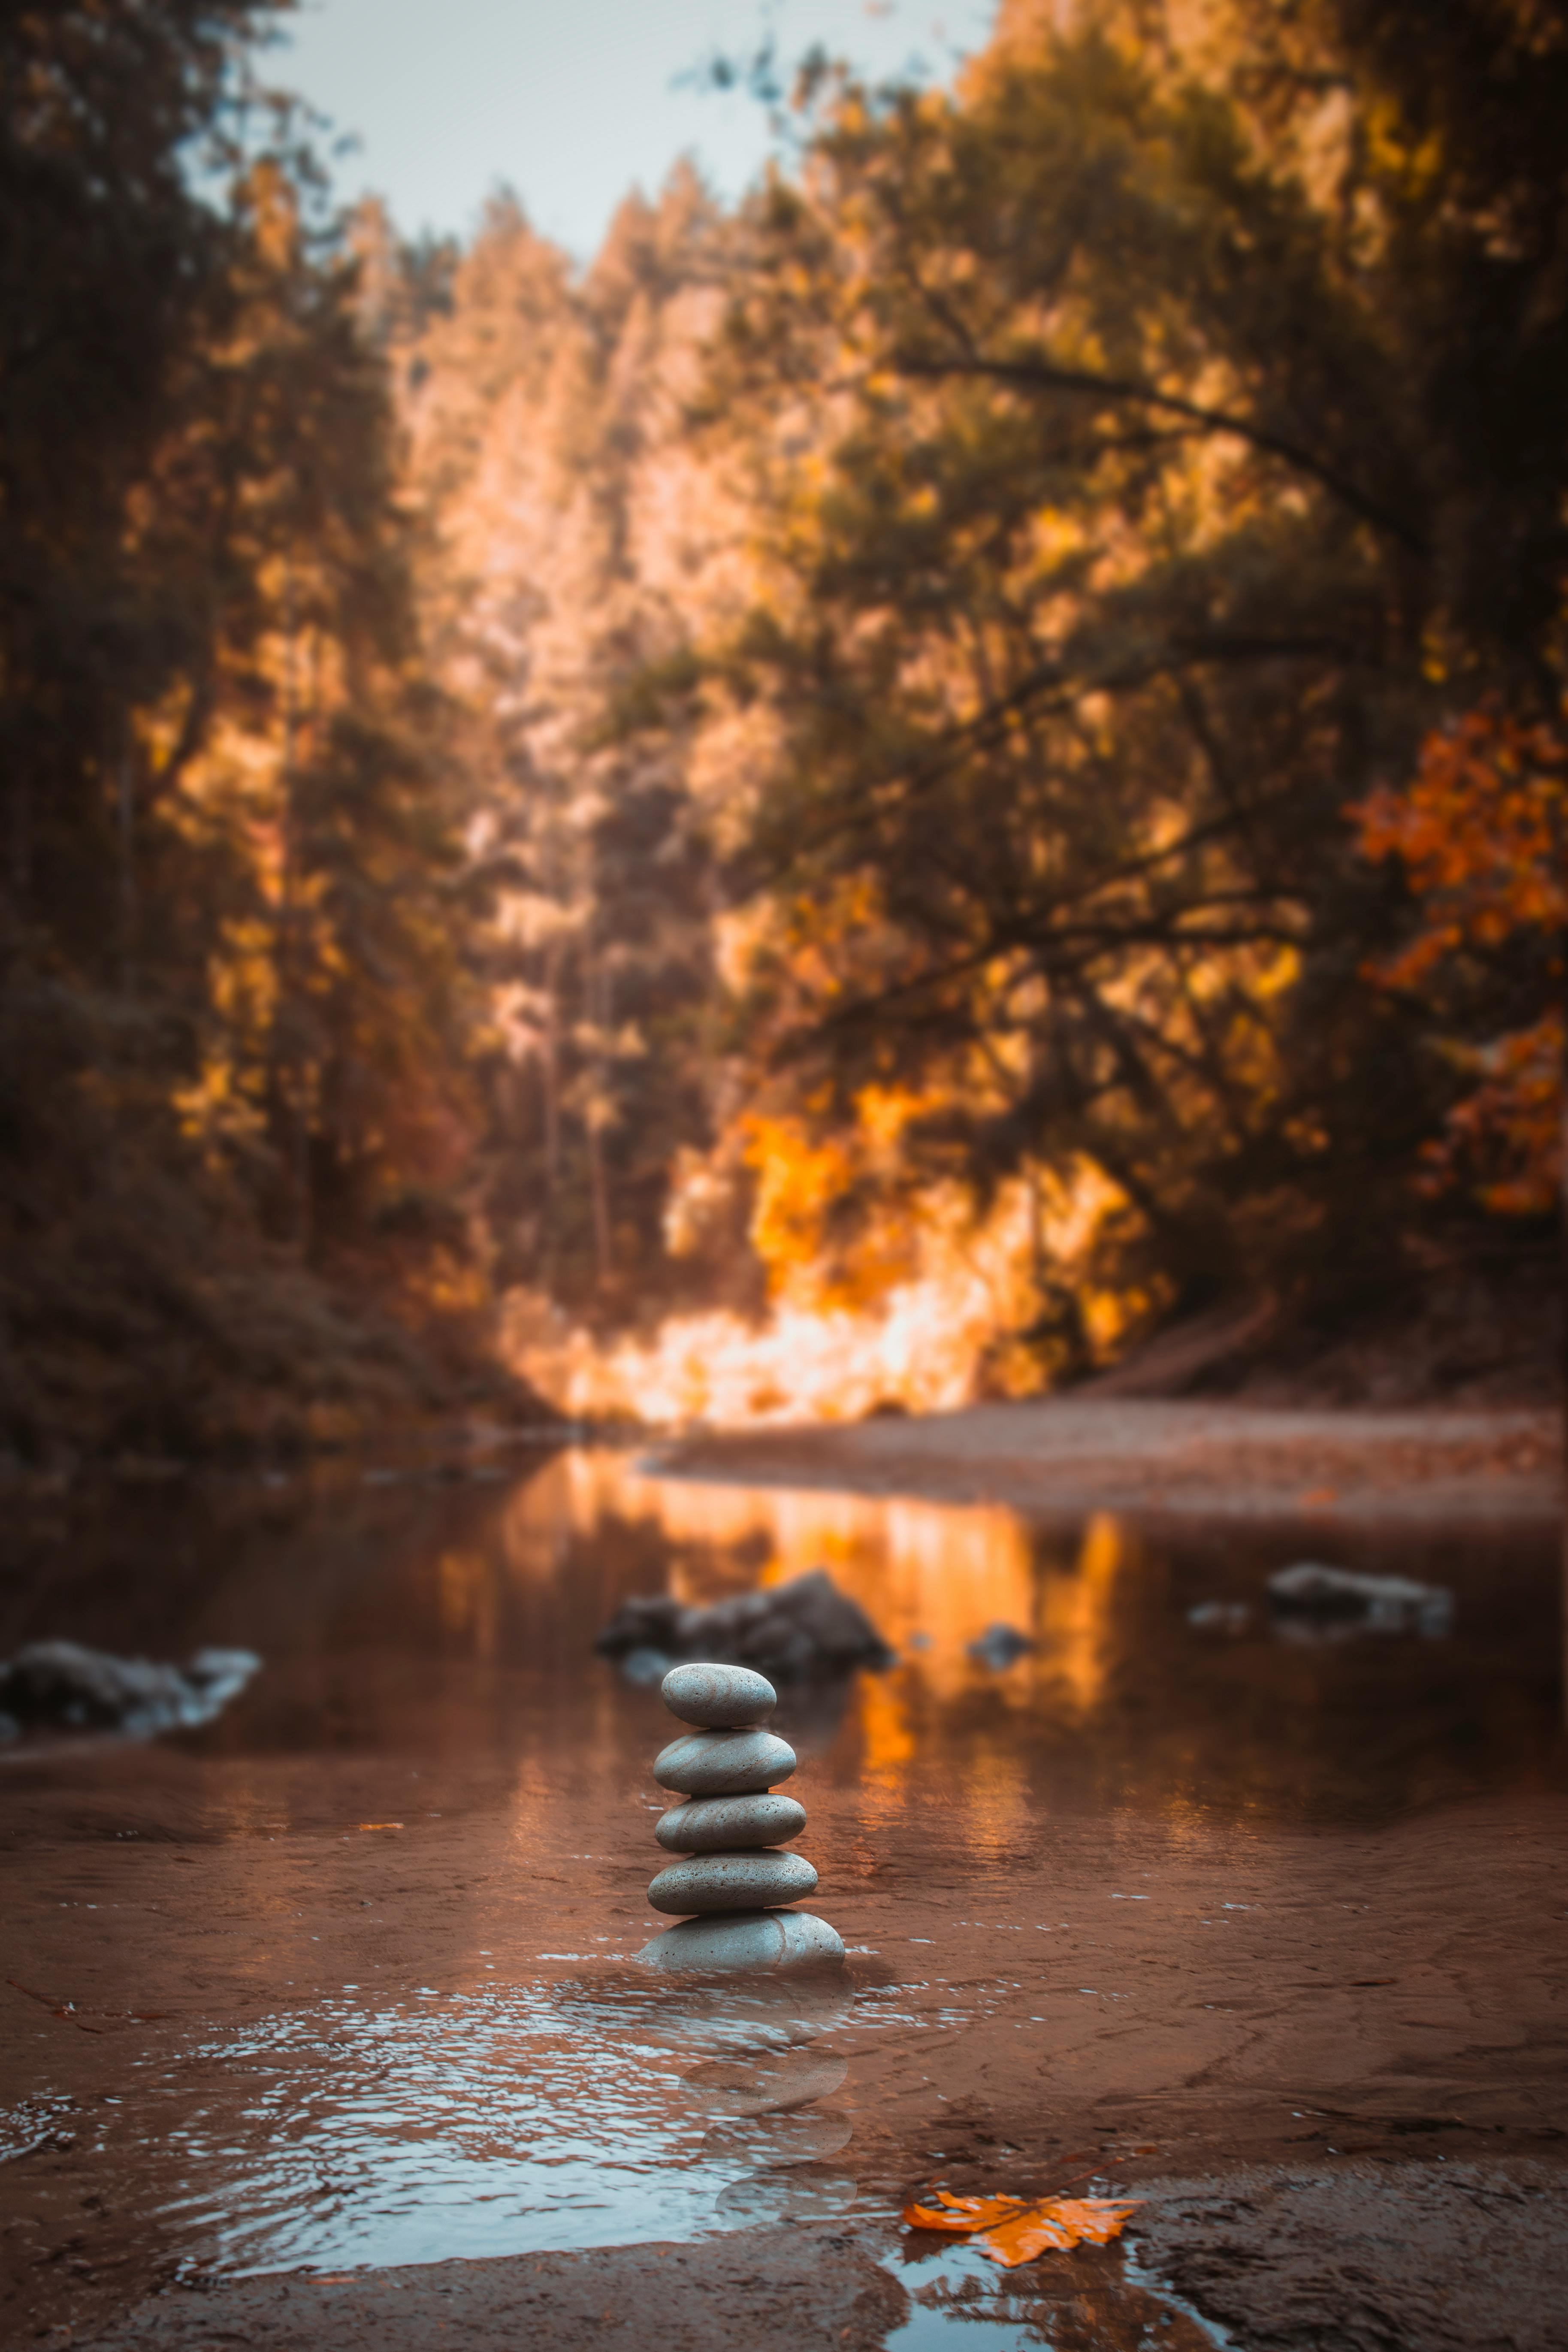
{"points": [[730, 1697], [732, 1881], [782, 1940], [723, 1763], [726, 1824]]}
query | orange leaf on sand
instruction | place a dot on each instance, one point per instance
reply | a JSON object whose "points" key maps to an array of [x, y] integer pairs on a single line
{"points": [[1013, 2229]]}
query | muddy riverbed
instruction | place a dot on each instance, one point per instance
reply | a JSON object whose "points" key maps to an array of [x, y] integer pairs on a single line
{"points": [[322, 2022]]}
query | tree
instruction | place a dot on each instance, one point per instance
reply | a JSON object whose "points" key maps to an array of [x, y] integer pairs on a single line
{"points": [[226, 977], [571, 546], [110, 268], [1148, 444]]}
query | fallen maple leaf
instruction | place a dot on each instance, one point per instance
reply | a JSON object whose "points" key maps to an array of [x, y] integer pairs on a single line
{"points": [[964, 2213], [1013, 2229], [1053, 2225]]}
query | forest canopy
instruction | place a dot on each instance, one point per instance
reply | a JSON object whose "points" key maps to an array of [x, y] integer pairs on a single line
{"points": [[874, 797]]}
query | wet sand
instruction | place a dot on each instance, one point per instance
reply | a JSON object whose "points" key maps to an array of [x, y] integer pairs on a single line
{"points": [[1214, 1459], [1270, 1936], [1152, 2004]]}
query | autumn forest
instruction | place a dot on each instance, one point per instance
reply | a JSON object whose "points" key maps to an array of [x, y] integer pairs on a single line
{"points": [[879, 797]]}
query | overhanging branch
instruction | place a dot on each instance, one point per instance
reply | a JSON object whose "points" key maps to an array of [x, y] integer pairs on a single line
{"points": [[1043, 377]]}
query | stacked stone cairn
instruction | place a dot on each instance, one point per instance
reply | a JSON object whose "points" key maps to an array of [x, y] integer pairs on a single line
{"points": [[733, 1881]]}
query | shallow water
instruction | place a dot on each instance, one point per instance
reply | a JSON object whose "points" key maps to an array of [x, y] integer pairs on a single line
{"points": [[403, 1610], [397, 1888]]}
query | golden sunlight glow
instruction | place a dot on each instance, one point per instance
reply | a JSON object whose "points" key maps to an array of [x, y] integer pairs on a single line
{"points": [[931, 1325], [887, 1740]]}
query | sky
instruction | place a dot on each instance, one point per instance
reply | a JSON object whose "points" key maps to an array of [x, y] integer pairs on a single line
{"points": [[572, 102]]}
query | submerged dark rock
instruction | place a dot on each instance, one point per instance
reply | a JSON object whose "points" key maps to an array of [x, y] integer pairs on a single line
{"points": [[1341, 1600], [1000, 1646], [1220, 1616], [64, 1687], [791, 1632]]}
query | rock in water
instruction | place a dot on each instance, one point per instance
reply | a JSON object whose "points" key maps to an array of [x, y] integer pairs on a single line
{"points": [[728, 1697], [732, 1881], [752, 1939], [801, 1631], [723, 1763], [724, 1824], [61, 1685], [999, 1647], [1374, 1604]]}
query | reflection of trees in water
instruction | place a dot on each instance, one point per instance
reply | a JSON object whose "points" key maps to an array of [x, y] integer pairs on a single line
{"points": [[1075, 2303], [1120, 1701], [375, 1601]]}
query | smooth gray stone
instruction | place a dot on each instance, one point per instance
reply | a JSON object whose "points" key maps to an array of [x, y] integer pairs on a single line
{"points": [[781, 1940], [732, 1697], [723, 1763], [732, 1881], [729, 1824]]}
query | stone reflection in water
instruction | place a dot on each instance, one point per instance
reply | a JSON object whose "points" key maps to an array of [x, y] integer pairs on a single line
{"points": [[770, 2084], [744, 2018], [1092, 2300], [764, 2101], [774, 2140], [764, 2092], [750, 2064], [806, 2192]]}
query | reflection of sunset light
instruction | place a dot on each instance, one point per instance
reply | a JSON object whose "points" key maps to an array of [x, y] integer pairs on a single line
{"points": [[999, 1809], [1076, 1611], [539, 1516], [931, 1576], [467, 1600], [887, 1742]]}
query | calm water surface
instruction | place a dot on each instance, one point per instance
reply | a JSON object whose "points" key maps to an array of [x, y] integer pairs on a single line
{"points": [[454, 2057]]}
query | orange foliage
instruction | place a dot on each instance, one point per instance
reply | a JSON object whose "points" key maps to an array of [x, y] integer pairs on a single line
{"points": [[1013, 2229], [1481, 832], [805, 1179]]}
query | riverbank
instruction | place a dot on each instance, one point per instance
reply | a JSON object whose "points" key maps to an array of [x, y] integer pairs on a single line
{"points": [[1148, 1457]]}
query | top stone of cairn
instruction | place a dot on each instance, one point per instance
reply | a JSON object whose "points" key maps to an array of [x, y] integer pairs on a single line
{"points": [[719, 1698]]}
